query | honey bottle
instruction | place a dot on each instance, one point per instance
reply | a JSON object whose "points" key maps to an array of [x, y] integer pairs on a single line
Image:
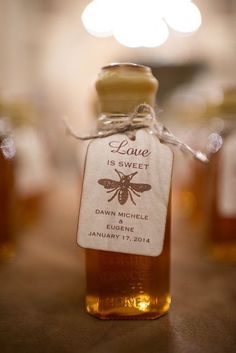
{"points": [[222, 188], [123, 285], [7, 194], [32, 169]]}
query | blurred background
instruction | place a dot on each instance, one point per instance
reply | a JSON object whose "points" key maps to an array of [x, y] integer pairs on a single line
{"points": [[51, 52]]}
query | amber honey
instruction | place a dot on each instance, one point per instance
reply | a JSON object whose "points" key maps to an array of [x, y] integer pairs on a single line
{"points": [[222, 228], [6, 208], [128, 286], [222, 186]]}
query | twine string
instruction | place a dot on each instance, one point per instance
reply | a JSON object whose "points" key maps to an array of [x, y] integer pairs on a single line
{"points": [[156, 128]]}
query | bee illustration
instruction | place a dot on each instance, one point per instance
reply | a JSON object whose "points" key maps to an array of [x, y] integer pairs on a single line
{"points": [[123, 188]]}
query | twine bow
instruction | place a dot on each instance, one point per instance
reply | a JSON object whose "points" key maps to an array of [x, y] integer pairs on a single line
{"points": [[156, 128]]}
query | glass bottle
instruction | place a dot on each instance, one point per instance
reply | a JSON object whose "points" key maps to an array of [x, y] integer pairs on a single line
{"points": [[125, 286], [32, 170], [7, 197], [185, 112], [222, 218]]}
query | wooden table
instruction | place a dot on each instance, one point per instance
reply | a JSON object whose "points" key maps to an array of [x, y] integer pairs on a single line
{"points": [[42, 291]]}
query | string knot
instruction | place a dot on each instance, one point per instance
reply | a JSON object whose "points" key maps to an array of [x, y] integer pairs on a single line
{"points": [[156, 128]]}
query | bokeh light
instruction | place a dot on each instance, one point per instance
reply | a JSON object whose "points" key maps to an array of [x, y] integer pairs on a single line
{"points": [[97, 18], [140, 24], [183, 17]]}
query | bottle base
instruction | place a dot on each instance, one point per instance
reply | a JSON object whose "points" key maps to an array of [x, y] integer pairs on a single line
{"points": [[142, 310]]}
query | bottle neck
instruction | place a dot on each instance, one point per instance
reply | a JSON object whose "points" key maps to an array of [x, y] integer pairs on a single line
{"points": [[111, 121], [124, 104]]}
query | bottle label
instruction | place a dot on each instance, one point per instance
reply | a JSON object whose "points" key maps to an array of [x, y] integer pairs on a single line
{"points": [[125, 194], [227, 177]]}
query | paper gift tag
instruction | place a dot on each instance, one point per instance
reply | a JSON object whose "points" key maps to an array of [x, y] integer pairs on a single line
{"points": [[125, 194]]}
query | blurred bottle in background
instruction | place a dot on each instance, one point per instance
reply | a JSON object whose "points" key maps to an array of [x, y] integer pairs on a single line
{"points": [[7, 190], [193, 114], [184, 115], [222, 183], [32, 170]]}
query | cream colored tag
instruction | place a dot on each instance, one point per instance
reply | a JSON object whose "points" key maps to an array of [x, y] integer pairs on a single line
{"points": [[125, 194]]}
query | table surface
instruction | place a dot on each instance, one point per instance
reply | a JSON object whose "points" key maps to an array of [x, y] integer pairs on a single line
{"points": [[42, 295]]}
